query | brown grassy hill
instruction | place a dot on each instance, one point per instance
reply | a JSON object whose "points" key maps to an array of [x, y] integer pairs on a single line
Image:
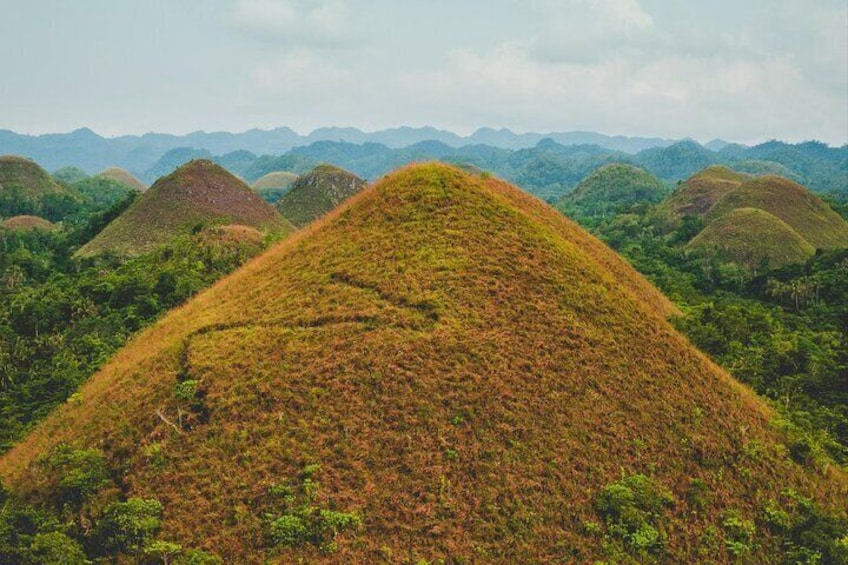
{"points": [[120, 175], [316, 193], [698, 194], [752, 238], [274, 185], [27, 189], [25, 223], [198, 193], [805, 212], [469, 369]]}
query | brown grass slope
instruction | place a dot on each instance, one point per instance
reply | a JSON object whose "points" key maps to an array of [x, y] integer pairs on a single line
{"points": [[125, 177], [26, 223], [805, 212], [26, 188], [698, 194], [279, 179], [752, 238], [317, 192], [199, 192], [469, 368]]}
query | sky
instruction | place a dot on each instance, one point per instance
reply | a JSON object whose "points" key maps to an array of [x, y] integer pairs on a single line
{"points": [[741, 71]]}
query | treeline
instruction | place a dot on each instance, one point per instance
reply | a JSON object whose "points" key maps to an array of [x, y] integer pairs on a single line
{"points": [[784, 333], [61, 319]]}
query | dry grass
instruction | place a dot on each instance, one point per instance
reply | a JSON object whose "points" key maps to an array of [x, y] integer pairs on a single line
{"points": [[24, 223], [124, 177], [469, 368], [752, 238], [199, 192], [316, 193]]}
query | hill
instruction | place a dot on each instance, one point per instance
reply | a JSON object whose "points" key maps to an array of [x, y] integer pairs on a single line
{"points": [[27, 189], [443, 368], [198, 193], [805, 212], [612, 188], [699, 193], [124, 177], [274, 185], [26, 223], [316, 193], [752, 238]]}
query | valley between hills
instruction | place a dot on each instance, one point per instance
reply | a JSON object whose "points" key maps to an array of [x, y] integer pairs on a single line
{"points": [[430, 352]]}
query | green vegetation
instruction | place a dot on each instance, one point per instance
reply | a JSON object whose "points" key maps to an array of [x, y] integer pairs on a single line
{"points": [[60, 320], [198, 194], [103, 192], [758, 299], [27, 189], [609, 190], [481, 380], [316, 193], [84, 519], [69, 175]]}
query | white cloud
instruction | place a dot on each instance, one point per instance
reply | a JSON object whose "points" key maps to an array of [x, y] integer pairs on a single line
{"points": [[304, 22], [587, 30]]}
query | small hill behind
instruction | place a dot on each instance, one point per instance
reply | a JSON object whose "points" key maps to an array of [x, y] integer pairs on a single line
{"points": [[612, 188], [274, 185], [124, 177], [317, 192], [199, 193], [27, 189]]}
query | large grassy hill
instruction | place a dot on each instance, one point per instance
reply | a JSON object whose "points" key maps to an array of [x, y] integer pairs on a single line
{"points": [[27, 189], [444, 368], [198, 193], [317, 192]]}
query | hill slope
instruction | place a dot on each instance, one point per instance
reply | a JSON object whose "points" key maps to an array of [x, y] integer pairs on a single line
{"points": [[199, 192], [274, 185], [805, 212], [610, 188], [752, 238], [26, 223], [699, 193], [469, 369], [27, 189], [317, 192], [124, 177]]}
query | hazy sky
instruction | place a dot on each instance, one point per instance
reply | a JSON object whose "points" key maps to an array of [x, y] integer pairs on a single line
{"points": [[740, 70]]}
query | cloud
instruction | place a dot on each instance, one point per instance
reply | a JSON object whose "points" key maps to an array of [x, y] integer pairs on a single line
{"points": [[676, 95], [317, 23], [587, 30]]}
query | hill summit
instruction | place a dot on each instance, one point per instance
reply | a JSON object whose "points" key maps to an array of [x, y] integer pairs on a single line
{"points": [[27, 189], [611, 188], [198, 193], [760, 223], [122, 176], [444, 368], [317, 192]]}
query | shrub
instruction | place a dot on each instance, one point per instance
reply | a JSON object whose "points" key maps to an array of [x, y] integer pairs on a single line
{"points": [[633, 509], [127, 526], [56, 548], [79, 474]]}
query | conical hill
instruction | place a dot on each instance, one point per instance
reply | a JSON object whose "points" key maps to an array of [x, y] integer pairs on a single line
{"points": [[444, 368], [317, 192], [197, 194], [27, 189]]}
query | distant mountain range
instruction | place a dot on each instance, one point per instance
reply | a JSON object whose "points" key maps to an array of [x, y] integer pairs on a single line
{"points": [[91, 152]]}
